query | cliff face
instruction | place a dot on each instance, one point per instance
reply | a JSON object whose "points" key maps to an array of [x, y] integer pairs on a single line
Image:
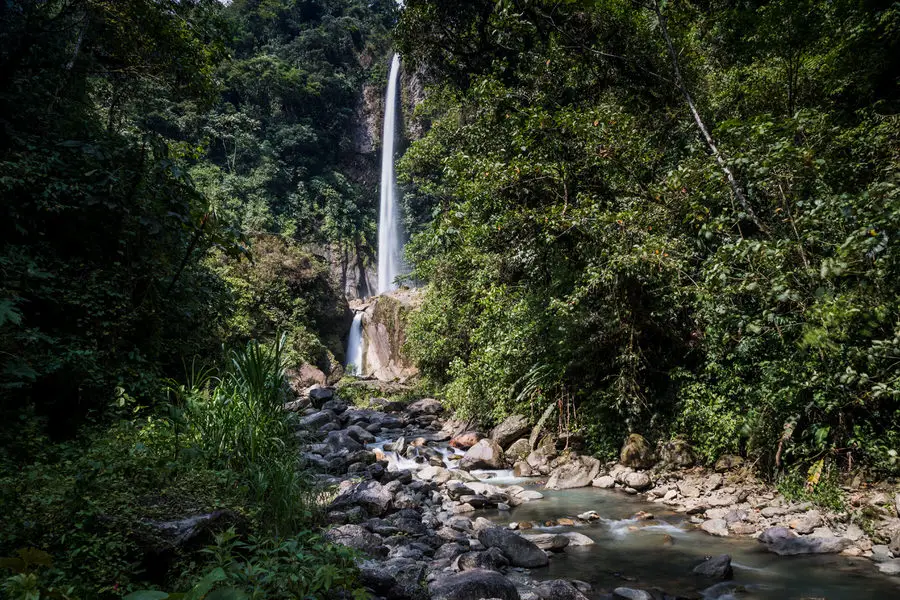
{"points": [[384, 333]]}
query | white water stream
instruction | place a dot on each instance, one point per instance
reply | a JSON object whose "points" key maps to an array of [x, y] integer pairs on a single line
{"points": [[389, 234], [355, 346]]}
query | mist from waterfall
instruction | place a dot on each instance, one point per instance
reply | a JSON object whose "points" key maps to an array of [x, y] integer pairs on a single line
{"points": [[355, 346], [389, 236]]}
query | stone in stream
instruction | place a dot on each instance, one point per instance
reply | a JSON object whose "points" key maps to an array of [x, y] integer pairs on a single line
{"points": [[547, 541], [486, 454], [511, 429], [522, 469], [638, 481], [636, 452], [559, 589], [890, 567], [518, 450], [317, 419], [399, 578], [520, 551], [466, 440], [784, 542], [577, 539], [425, 406], [605, 482], [718, 527], [369, 495], [631, 594], [477, 584], [491, 559], [575, 474], [717, 567]]}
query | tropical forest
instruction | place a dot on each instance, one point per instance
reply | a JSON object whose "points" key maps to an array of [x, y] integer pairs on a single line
{"points": [[451, 300]]}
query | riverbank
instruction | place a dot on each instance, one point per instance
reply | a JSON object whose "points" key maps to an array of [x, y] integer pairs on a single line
{"points": [[437, 510]]}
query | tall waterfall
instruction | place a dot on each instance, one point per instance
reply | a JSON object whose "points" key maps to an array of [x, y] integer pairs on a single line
{"points": [[389, 242], [355, 346]]}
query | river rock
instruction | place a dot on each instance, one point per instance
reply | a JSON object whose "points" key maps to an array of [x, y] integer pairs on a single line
{"points": [[547, 541], [638, 481], [559, 589], [466, 440], [511, 429], [399, 578], [577, 539], [636, 452], [604, 482], [319, 395], [718, 527], [520, 551], [518, 450], [425, 406], [890, 567], [358, 538], [369, 495], [806, 523], [522, 469], [486, 454], [576, 474], [784, 542], [477, 584], [491, 559], [631, 594], [717, 567], [317, 419]]}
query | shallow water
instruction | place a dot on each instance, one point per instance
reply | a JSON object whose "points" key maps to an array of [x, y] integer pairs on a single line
{"points": [[661, 553]]}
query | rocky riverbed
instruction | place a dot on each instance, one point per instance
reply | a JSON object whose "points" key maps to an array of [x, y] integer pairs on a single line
{"points": [[432, 506]]}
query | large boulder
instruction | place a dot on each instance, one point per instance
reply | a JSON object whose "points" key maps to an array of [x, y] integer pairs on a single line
{"points": [[465, 440], [425, 406], [511, 429], [519, 551], [575, 474], [486, 454], [518, 450], [559, 589], [342, 440], [477, 584], [677, 453], [358, 538], [319, 395], [784, 542], [384, 334], [636, 452], [547, 541], [491, 559], [396, 578], [373, 497]]}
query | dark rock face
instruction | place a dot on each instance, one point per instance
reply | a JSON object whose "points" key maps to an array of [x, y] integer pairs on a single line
{"points": [[519, 551], [717, 567], [491, 559], [317, 420], [559, 589], [511, 429], [474, 585], [486, 454], [399, 578], [636, 452], [373, 497], [677, 453], [319, 395]]}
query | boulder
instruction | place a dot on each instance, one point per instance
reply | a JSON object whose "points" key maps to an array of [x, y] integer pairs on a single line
{"points": [[806, 523], [477, 584], [605, 482], [486, 454], [316, 420], [425, 406], [575, 474], [400, 578], [547, 541], [631, 594], [491, 559], [370, 495], [511, 429], [519, 551], [518, 450], [784, 542], [559, 589], [522, 469], [358, 538], [342, 440], [636, 452], [718, 527], [303, 377], [465, 440], [717, 567], [677, 453], [638, 481], [319, 395], [578, 539]]}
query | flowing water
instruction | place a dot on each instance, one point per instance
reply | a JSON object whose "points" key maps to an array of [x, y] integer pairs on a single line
{"points": [[355, 346], [389, 234], [663, 551]]}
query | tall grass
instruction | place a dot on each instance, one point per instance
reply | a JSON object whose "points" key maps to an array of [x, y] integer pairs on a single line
{"points": [[237, 421]]}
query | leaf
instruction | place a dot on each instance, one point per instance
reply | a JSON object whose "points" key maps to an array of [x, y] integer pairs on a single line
{"points": [[33, 556], [227, 594], [206, 584], [146, 595], [815, 474]]}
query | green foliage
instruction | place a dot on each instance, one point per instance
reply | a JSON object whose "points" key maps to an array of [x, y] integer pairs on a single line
{"points": [[573, 222], [798, 486]]}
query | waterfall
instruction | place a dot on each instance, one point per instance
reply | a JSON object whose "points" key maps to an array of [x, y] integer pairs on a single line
{"points": [[389, 245], [355, 346]]}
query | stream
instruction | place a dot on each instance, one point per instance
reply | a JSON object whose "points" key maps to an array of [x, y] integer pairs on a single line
{"points": [[661, 552]]}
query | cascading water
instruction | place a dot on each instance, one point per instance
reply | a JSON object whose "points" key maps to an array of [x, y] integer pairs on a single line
{"points": [[354, 346], [389, 244]]}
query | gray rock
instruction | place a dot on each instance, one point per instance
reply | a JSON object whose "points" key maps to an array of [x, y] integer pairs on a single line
{"points": [[631, 594], [638, 481], [890, 567], [477, 584], [336, 406], [547, 541], [783, 542], [316, 419], [518, 450], [358, 538], [806, 523], [881, 553], [491, 559], [511, 429], [450, 550], [688, 491], [559, 589], [717, 567], [400, 578], [604, 482], [728, 462], [519, 551], [486, 454], [370, 495], [894, 544], [677, 453], [718, 527], [575, 474], [578, 539], [342, 440], [319, 395], [425, 406]]}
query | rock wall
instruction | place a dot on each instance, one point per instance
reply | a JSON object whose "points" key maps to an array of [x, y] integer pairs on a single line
{"points": [[384, 333]]}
